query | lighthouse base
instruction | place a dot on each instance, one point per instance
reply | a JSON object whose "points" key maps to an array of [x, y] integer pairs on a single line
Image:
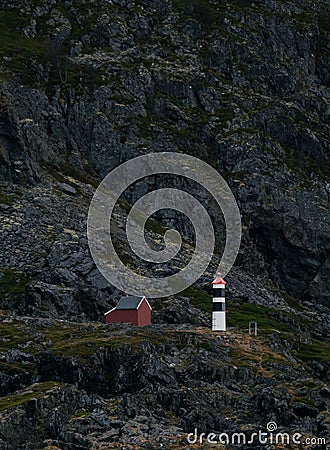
{"points": [[218, 321]]}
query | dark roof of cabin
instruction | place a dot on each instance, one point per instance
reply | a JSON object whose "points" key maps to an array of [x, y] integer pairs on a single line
{"points": [[130, 302]]}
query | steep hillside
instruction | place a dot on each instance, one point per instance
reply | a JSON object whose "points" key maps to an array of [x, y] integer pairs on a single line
{"points": [[87, 85], [242, 85]]}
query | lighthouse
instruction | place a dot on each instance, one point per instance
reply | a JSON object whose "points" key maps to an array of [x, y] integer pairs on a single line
{"points": [[219, 304]]}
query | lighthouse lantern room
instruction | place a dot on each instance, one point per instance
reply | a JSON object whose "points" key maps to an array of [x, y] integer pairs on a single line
{"points": [[219, 304]]}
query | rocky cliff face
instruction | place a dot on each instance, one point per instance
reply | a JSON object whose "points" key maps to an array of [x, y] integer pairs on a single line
{"points": [[85, 86], [242, 85]]}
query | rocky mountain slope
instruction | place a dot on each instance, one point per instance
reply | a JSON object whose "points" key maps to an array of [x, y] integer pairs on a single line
{"points": [[85, 86]]}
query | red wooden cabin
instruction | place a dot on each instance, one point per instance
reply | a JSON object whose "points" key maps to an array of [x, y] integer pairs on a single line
{"points": [[132, 309]]}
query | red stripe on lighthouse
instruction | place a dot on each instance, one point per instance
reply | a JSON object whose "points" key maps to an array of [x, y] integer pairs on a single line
{"points": [[218, 280]]}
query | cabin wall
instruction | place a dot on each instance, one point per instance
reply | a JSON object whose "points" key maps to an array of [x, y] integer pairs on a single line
{"points": [[144, 314], [125, 316]]}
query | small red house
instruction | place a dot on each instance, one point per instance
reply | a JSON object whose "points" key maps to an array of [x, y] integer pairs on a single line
{"points": [[132, 309]]}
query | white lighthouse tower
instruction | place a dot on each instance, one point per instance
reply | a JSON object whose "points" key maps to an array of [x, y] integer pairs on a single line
{"points": [[219, 304]]}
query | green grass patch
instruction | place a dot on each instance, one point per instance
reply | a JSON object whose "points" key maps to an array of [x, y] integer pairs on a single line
{"points": [[80, 342], [243, 358], [12, 367], [199, 299], [256, 359], [17, 51], [322, 168], [51, 237], [304, 400], [79, 415], [292, 159], [69, 74], [12, 334], [303, 164], [242, 131], [324, 21], [201, 10], [12, 282], [304, 20], [15, 48], [71, 341], [291, 301], [150, 225], [155, 226], [144, 128], [310, 384], [34, 391], [185, 133], [316, 350], [8, 199], [240, 316], [206, 13], [224, 115], [242, 3], [66, 172], [157, 304]]}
